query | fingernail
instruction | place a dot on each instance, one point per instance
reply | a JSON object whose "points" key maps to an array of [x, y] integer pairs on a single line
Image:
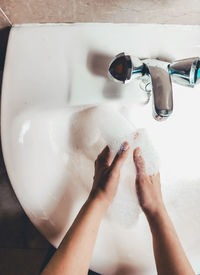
{"points": [[123, 148]]}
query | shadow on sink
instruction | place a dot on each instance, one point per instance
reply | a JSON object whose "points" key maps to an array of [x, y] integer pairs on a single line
{"points": [[97, 64]]}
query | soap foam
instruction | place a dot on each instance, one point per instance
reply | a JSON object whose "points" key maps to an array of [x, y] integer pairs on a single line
{"points": [[116, 129], [91, 130], [125, 208], [148, 152]]}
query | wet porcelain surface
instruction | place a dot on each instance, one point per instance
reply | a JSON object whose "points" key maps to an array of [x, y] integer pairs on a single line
{"points": [[53, 73]]}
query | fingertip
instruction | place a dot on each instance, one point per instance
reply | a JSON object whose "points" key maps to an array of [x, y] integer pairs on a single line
{"points": [[121, 156], [104, 155], [109, 156], [123, 148], [125, 145], [105, 150], [137, 152], [139, 161]]}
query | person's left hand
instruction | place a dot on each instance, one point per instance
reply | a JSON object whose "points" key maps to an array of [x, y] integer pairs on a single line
{"points": [[107, 173]]}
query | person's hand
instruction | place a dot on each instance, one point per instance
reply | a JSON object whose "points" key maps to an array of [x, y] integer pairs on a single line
{"points": [[147, 186], [107, 173]]}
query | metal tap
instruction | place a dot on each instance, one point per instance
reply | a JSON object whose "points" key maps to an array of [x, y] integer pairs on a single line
{"points": [[158, 76]]}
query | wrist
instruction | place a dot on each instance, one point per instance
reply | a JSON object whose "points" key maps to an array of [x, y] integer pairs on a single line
{"points": [[98, 201], [158, 220], [156, 212]]}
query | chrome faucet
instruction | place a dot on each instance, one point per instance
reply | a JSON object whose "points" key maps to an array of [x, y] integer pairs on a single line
{"points": [[156, 77]]}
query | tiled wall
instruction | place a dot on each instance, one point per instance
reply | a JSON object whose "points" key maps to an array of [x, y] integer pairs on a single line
{"points": [[3, 20], [140, 11]]}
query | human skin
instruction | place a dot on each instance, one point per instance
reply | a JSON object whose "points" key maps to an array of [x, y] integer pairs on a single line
{"points": [[74, 254], [75, 251], [168, 252]]}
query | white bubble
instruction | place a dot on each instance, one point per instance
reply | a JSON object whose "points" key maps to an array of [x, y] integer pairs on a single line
{"points": [[116, 129]]}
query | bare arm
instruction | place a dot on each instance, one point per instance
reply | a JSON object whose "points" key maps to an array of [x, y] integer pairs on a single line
{"points": [[75, 251], [169, 254]]}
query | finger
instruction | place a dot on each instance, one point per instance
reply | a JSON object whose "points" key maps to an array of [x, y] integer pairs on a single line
{"points": [[109, 159], [139, 161], [104, 157], [120, 157]]}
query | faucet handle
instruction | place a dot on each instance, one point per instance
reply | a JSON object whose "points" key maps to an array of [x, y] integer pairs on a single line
{"points": [[185, 72], [123, 68]]}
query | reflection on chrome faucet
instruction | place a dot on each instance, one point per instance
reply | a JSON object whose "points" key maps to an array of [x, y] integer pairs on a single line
{"points": [[156, 76]]}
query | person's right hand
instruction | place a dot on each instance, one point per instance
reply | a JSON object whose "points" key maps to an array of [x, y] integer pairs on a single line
{"points": [[107, 173], [147, 186]]}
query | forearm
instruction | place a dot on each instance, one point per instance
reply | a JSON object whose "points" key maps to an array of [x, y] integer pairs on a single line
{"points": [[169, 255], [74, 253]]}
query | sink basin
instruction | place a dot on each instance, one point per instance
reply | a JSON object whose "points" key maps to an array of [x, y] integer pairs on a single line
{"points": [[55, 77]]}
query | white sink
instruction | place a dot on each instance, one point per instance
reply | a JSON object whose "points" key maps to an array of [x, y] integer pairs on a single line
{"points": [[51, 71]]}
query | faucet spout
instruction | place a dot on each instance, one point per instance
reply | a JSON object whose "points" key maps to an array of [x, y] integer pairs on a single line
{"points": [[161, 88], [159, 74]]}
